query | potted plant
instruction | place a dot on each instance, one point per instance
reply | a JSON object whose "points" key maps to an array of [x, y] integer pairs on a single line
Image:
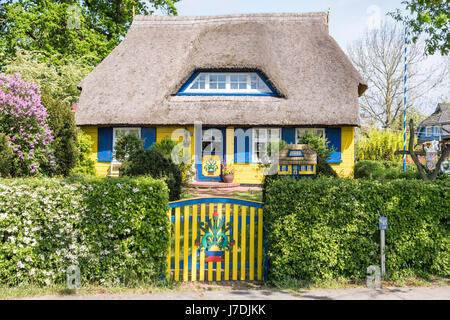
{"points": [[227, 174]]}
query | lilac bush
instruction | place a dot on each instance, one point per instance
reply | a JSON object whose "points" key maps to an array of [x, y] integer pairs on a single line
{"points": [[24, 120]]}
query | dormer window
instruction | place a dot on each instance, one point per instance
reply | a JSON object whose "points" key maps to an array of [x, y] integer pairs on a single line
{"points": [[227, 83]]}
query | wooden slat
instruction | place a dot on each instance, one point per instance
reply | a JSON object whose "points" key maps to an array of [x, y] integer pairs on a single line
{"points": [[243, 236], [260, 243], [227, 253], [177, 244], [187, 210], [236, 240], [202, 253], [210, 264], [251, 259], [194, 247], [219, 264], [169, 257]]}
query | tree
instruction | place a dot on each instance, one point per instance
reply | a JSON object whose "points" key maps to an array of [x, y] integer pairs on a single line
{"points": [[425, 173], [70, 29], [378, 56], [430, 18], [61, 121], [23, 119], [59, 81]]}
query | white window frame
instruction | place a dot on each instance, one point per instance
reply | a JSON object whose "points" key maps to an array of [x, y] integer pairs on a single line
{"points": [[266, 140], [428, 131], [264, 90], [300, 131], [436, 131], [116, 132]]}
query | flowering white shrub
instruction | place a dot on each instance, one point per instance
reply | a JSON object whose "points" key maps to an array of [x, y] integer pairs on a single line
{"points": [[113, 229]]}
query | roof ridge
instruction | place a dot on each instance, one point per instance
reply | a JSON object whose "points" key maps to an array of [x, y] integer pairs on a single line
{"points": [[143, 19]]}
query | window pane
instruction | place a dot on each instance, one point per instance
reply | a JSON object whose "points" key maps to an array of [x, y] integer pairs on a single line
{"points": [[234, 78], [233, 85], [243, 86], [221, 85], [222, 78], [243, 78]]}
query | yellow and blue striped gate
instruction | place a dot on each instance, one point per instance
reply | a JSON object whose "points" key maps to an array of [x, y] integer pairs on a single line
{"points": [[217, 239]]}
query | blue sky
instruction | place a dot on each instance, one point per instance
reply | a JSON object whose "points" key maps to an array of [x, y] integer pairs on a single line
{"points": [[349, 18]]}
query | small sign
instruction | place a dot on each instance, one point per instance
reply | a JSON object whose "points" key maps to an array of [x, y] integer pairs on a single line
{"points": [[383, 223]]}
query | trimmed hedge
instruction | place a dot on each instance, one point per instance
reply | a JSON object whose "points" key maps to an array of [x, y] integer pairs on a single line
{"points": [[116, 230], [326, 228]]}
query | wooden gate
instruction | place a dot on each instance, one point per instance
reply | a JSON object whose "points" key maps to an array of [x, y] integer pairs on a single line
{"points": [[216, 239]]}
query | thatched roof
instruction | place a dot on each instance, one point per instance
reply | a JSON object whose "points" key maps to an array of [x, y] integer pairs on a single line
{"points": [[136, 84], [440, 117]]}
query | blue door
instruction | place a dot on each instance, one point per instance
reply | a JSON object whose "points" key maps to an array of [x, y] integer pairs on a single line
{"points": [[212, 154]]}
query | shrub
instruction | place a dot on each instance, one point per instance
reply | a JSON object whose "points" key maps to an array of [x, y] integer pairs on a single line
{"points": [[327, 228], [61, 121], [166, 145], [385, 170], [379, 145], [154, 163], [115, 230], [127, 145], [6, 156], [85, 165], [24, 120], [321, 146]]}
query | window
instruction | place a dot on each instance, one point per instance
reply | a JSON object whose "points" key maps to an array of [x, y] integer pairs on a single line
{"points": [[117, 132], [300, 131], [227, 83], [261, 139], [429, 131], [217, 82], [437, 131]]}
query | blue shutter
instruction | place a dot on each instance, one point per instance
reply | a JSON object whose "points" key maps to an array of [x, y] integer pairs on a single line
{"points": [[242, 157], [288, 135], [104, 143], [149, 136], [334, 137]]}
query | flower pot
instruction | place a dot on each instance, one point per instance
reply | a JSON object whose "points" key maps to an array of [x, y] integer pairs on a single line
{"points": [[228, 178]]}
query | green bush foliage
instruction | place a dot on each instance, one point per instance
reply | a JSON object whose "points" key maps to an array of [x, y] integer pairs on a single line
{"points": [[321, 146], [61, 121], [127, 145], [85, 166], [370, 169], [6, 156], [115, 230], [327, 228], [166, 145], [155, 164]]}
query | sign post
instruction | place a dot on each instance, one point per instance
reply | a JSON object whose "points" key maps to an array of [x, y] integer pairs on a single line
{"points": [[382, 226]]}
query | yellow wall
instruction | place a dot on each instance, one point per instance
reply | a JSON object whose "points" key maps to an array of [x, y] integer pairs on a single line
{"points": [[100, 167], [345, 168]]}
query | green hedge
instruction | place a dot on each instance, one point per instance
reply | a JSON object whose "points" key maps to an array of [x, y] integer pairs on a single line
{"points": [[327, 228], [116, 230], [371, 169]]}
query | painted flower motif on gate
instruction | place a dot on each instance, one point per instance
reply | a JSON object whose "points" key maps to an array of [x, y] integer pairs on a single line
{"points": [[214, 241]]}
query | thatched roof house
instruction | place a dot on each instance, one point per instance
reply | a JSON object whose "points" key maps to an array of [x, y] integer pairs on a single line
{"points": [[437, 125], [252, 72], [138, 82]]}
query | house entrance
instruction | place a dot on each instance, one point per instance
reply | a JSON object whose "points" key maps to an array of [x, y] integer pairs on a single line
{"points": [[212, 154]]}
